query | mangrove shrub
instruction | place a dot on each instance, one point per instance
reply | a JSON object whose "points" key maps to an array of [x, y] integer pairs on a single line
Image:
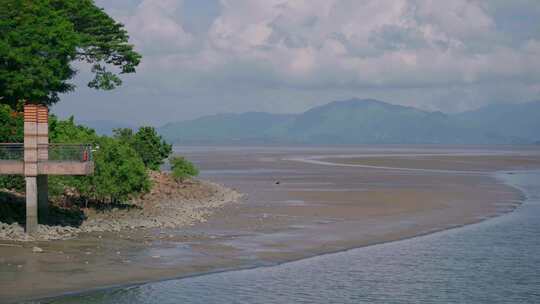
{"points": [[182, 168]]}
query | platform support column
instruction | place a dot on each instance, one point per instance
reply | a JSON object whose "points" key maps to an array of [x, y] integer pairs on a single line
{"points": [[31, 204], [43, 198]]}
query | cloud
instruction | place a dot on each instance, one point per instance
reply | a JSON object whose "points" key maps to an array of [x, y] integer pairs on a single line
{"points": [[360, 43], [155, 29], [461, 48]]}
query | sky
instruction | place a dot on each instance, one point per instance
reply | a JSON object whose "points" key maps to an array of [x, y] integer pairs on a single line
{"points": [[203, 57]]}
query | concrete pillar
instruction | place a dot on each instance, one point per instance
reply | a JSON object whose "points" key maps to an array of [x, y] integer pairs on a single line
{"points": [[42, 136], [30, 166], [31, 205], [43, 198]]}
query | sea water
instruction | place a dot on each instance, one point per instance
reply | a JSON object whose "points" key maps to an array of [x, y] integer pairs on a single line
{"points": [[495, 261]]}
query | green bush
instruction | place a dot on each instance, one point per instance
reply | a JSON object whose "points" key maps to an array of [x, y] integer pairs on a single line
{"points": [[11, 125], [182, 168], [11, 131], [150, 146], [12, 182], [68, 132], [119, 170]]}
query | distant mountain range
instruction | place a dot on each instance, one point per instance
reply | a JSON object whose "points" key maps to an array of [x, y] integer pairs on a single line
{"points": [[365, 121]]}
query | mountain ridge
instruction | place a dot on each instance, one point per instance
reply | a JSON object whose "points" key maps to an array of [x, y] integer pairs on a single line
{"points": [[364, 121]]}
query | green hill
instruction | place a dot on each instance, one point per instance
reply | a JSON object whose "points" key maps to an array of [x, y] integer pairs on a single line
{"points": [[365, 121], [256, 127]]}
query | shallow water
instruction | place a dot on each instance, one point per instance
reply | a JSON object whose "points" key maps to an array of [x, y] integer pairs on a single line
{"points": [[496, 261]]}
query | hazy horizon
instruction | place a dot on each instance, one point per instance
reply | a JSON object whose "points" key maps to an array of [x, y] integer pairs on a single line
{"points": [[162, 123]]}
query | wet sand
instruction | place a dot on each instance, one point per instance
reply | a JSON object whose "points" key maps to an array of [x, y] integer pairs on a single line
{"points": [[292, 210], [438, 162]]}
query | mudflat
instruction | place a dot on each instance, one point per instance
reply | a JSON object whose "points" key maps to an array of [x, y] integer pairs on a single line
{"points": [[293, 209], [446, 162]]}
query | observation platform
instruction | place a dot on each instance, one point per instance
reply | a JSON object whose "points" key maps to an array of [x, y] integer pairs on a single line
{"points": [[36, 159]]}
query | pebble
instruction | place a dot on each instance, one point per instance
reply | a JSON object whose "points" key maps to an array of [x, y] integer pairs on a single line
{"points": [[166, 215], [37, 249]]}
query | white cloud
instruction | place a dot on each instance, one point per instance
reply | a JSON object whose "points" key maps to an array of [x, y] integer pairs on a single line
{"points": [[362, 43], [339, 47], [154, 27]]}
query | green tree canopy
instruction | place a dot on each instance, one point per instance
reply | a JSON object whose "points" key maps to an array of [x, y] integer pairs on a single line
{"points": [[120, 172], [40, 40], [150, 146], [11, 131], [11, 125], [182, 168], [67, 131]]}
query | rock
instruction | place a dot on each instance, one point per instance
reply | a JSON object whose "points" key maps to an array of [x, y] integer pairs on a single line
{"points": [[184, 206], [37, 249]]}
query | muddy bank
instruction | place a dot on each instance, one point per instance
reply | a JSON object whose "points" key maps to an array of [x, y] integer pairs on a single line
{"points": [[168, 205]]}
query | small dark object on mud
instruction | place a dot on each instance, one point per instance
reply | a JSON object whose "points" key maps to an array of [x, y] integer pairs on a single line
{"points": [[278, 182]]}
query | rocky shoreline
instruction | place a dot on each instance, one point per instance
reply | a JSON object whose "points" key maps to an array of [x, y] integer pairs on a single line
{"points": [[168, 205]]}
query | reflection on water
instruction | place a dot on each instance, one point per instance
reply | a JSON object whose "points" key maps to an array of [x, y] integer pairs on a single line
{"points": [[497, 261]]}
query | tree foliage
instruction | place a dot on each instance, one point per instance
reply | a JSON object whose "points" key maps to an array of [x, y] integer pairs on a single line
{"points": [[124, 135], [40, 39], [119, 172], [67, 131], [11, 131], [150, 146], [11, 125], [182, 168]]}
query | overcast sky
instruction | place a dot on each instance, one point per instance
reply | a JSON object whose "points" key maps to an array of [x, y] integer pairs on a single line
{"points": [[213, 56]]}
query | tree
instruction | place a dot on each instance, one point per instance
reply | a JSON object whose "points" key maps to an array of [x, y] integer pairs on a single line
{"points": [[67, 131], [11, 125], [150, 146], [119, 172], [124, 135], [40, 39], [182, 168], [11, 131], [119, 175]]}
